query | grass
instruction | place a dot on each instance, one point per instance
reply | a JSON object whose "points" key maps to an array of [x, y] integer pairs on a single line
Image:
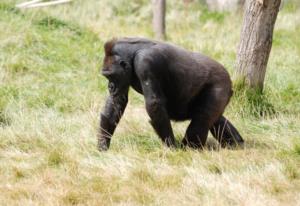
{"points": [[51, 94]]}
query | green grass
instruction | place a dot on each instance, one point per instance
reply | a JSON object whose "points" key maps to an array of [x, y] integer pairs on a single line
{"points": [[51, 94]]}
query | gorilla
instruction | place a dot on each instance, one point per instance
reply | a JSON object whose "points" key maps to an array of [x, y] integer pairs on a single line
{"points": [[177, 85]]}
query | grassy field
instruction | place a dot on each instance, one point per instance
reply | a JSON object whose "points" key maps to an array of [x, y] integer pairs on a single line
{"points": [[51, 94]]}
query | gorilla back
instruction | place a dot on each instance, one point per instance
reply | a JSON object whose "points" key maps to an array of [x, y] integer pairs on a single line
{"points": [[177, 84]]}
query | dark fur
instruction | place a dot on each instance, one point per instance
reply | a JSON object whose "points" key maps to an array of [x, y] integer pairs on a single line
{"points": [[177, 84]]}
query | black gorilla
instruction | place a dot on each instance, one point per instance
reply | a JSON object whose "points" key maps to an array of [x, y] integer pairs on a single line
{"points": [[177, 84]]}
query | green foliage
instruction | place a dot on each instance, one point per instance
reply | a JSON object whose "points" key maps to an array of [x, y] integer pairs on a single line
{"points": [[252, 101], [286, 38], [291, 6], [49, 57], [9, 8], [214, 16], [296, 148], [123, 7], [51, 23]]}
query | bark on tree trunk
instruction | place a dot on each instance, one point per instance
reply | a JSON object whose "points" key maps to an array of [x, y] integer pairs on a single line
{"points": [[256, 41], [159, 11]]}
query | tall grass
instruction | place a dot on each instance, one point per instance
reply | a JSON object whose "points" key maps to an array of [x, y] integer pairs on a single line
{"points": [[51, 94]]}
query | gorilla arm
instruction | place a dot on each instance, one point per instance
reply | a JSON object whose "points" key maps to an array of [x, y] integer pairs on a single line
{"points": [[155, 102], [110, 116]]}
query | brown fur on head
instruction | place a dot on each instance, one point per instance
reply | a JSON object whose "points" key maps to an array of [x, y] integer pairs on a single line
{"points": [[108, 59], [108, 46]]}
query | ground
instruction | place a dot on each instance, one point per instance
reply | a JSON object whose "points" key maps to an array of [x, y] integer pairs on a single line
{"points": [[51, 94]]}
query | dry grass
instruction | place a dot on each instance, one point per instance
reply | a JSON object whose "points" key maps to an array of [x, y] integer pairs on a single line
{"points": [[51, 95]]}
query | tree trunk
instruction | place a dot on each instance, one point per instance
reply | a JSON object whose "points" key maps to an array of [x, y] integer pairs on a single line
{"points": [[256, 41], [159, 12]]}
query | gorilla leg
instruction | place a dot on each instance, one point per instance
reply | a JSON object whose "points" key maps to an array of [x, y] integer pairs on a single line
{"points": [[205, 111], [196, 134], [226, 133]]}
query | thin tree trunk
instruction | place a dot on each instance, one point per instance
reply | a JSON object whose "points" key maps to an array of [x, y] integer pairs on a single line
{"points": [[256, 41], [159, 12]]}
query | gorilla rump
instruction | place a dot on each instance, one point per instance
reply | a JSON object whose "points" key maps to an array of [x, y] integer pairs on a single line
{"points": [[177, 85]]}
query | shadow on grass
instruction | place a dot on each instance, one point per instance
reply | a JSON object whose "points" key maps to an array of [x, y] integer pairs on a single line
{"points": [[145, 143]]}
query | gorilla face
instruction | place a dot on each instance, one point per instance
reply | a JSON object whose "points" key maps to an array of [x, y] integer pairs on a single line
{"points": [[118, 71]]}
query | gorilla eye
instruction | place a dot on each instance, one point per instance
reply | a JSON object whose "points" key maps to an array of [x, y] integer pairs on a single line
{"points": [[122, 63], [111, 87]]}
